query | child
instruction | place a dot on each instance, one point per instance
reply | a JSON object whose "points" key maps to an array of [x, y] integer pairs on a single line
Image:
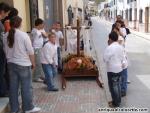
{"points": [[49, 61], [124, 75], [20, 58], [38, 36], [113, 57], [59, 38]]}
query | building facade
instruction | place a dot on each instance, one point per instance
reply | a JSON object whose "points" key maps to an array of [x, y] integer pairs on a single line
{"points": [[49, 10], [29, 11], [136, 13], [72, 9]]}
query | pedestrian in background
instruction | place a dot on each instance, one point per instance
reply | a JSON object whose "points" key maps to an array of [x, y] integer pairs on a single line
{"points": [[124, 76], [59, 40], [49, 61], [113, 57], [124, 73], [4, 11], [118, 18], [123, 29], [20, 58], [38, 36]]}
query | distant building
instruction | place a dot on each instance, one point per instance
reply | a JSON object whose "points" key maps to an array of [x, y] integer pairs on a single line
{"points": [[135, 12], [77, 8], [49, 10]]}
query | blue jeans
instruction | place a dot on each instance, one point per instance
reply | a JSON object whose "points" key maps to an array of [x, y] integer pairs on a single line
{"points": [[114, 87], [59, 58], [49, 72], [124, 76], [20, 76]]}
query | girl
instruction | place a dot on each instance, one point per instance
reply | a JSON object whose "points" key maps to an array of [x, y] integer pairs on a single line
{"points": [[20, 57]]}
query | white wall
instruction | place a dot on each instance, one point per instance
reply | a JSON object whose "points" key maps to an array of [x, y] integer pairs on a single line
{"points": [[21, 6], [41, 8], [75, 5]]}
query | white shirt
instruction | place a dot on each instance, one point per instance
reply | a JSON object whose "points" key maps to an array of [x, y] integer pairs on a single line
{"points": [[49, 54], [121, 40], [59, 36], [113, 57], [37, 38], [44, 38], [123, 30], [21, 50], [125, 60]]}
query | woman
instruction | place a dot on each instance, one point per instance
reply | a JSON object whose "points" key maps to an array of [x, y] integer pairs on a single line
{"points": [[20, 57]]}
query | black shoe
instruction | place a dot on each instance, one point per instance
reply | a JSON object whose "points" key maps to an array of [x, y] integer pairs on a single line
{"points": [[53, 89], [4, 95], [112, 105], [44, 82], [123, 94]]}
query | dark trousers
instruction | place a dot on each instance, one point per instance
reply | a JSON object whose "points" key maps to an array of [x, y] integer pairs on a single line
{"points": [[3, 86], [59, 58], [114, 87]]}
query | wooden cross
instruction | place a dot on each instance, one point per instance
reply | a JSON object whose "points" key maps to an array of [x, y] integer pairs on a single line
{"points": [[78, 28]]}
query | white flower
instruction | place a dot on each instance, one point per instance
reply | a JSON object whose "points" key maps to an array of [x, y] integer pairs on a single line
{"points": [[79, 61]]}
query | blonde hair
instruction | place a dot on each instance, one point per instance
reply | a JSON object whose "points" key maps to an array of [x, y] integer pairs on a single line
{"points": [[50, 34]]}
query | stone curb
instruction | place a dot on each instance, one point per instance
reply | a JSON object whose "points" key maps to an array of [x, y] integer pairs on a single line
{"points": [[4, 105]]}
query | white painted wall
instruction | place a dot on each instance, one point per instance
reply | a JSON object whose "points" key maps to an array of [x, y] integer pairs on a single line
{"points": [[41, 8], [21, 6], [75, 5]]}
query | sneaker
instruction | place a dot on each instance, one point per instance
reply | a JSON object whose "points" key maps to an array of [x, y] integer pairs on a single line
{"points": [[111, 105], [38, 80], [128, 81], [35, 109], [53, 89], [123, 94]]}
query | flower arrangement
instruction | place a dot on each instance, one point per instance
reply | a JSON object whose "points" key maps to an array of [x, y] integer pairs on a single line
{"points": [[73, 62]]}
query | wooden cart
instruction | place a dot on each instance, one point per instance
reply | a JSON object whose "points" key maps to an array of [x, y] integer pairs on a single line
{"points": [[80, 73]]}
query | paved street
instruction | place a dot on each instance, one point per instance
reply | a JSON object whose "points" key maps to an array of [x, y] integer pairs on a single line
{"points": [[84, 96], [80, 96]]}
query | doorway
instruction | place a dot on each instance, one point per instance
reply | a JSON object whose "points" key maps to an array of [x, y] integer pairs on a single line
{"points": [[33, 11], [147, 19]]}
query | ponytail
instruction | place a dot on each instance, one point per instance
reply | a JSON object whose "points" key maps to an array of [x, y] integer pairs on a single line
{"points": [[15, 22], [11, 38]]}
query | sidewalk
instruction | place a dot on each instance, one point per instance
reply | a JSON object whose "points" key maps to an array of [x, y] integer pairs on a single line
{"points": [[3, 105]]}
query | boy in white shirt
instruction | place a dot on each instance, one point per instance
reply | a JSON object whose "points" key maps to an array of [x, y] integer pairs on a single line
{"points": [[49, 61], [39, 36], [59, 38], [113, 57], [124, 76]]}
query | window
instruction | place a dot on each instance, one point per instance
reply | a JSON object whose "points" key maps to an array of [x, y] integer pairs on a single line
{"points": [[130, 14], [141, 16], [127, 14]]}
